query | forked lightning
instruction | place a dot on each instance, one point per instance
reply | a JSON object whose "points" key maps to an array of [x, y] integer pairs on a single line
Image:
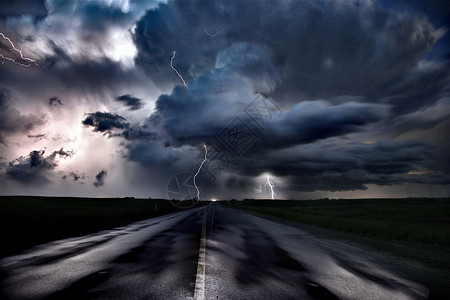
{"points": [[198, 172], [171, 65], [18, 51], [271, 185]]}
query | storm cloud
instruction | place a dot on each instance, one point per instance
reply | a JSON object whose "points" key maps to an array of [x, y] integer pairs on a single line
{"points": [[133, 103], [199, 112], [323, 97], [104, 122], [55, 101], [373, 51], [346, 166], [39, 136], [75, 176], [17, 8], [100, 178], [36, 167]]}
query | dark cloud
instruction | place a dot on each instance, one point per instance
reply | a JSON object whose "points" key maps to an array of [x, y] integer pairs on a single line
{"points": [[99, 16], [94, 75], [116, 126], [100, 178], [304, 122], [105, 122], [198, 113], [16, 8], [333, 166], [36, 167], [340, 165], [311, 121], [96, 16], [139, 132], [62, 153], [130, 101], [12, 121], [178, 26], [39, 137], [437, 11], [195, 114], [75, 176], [358, 90], [55, 101], [335, 69], [85, 76], [421, 119], [150, 153], [319, 50]]}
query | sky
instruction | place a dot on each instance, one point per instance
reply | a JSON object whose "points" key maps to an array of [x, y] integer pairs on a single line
{"points": [[240, 99]]}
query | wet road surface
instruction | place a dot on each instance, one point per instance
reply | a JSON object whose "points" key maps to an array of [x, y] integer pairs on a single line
{"points": [[211, 252]]}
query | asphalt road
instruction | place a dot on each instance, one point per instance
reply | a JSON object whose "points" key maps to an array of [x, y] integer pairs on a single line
{"points": [[210, 252]]}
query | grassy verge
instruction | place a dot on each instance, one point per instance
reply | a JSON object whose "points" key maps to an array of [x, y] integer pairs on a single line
{"points": [[414, 228], [27, 221]]}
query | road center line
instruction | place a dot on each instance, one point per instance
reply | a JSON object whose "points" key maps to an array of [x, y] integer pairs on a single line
{"points": [[199, 292], [212, 219]]}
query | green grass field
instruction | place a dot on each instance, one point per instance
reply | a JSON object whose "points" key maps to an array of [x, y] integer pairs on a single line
{"points": [[26, 221], [421, 226]]}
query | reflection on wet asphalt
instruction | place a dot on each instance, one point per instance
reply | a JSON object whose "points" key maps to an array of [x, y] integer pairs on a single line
{"points": [[252, 258], [247, 257]]}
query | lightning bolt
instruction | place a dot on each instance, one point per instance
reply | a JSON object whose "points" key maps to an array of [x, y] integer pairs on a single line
{"points": [[171, 65], [198, 172], [271, 186], [18, 51], [212, 35]]}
